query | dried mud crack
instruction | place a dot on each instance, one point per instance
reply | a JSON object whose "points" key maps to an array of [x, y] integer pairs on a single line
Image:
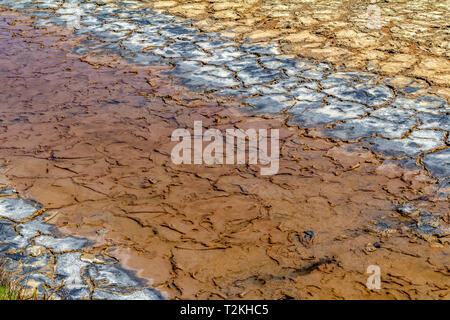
{"points": [[88, 137]]}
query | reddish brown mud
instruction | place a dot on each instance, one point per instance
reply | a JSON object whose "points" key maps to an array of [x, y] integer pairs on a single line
{"points": [[411, 40], [90, 139]]}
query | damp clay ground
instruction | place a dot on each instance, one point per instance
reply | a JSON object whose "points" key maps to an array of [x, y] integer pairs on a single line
{"points": [[412, 38], [89, 138]]}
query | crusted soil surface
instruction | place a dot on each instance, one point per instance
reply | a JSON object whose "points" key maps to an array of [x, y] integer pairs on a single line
{"points": [[89, 138], [412, 38]]}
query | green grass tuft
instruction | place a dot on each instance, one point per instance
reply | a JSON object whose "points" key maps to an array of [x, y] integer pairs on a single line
{"points": [[9, 290]]}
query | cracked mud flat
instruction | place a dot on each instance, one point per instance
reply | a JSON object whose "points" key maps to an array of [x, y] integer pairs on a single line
{"points": [[57, 266], [88, 138], [399, 117], [413, 39]]}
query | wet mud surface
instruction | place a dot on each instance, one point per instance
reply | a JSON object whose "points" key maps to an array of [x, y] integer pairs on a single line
{"points": [[410, 38], [50, 265], [89, 138], [400, 117]]}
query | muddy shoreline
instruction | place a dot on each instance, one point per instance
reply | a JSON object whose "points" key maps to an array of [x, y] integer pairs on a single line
{"points": [[89, 138]]}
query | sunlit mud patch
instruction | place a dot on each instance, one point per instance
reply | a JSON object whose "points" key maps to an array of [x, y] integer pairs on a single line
{"points": [[90, 139], [409, 38]]}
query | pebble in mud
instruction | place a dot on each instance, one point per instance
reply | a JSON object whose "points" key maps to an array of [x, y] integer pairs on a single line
{"points": [[308, 236]]}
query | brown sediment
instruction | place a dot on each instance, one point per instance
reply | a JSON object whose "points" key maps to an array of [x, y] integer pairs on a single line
{"points": [[412, 41], [90, 139]]}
